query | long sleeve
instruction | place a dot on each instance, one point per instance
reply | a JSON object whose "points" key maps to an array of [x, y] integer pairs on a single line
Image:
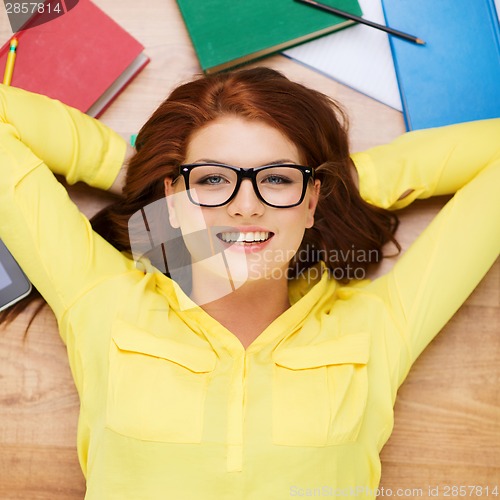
{"points": [[438, 272], [428, 162], [69, 142], [49, 237]]}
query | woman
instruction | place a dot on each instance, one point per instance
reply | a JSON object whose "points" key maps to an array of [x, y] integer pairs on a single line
{"points": [[270, 366]]}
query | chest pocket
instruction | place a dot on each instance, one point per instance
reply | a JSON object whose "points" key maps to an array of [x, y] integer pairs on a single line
{"points": [[320, 392], [157, 387]]}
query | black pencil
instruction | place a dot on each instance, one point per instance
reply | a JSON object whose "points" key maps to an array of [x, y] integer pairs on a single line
{"points": [[361, 20]]}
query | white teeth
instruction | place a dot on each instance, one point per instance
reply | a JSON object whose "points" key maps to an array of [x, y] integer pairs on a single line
{"points": [[249, 237]]}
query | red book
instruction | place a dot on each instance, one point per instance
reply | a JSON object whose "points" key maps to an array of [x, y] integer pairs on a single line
{"points": [[82, 58]]}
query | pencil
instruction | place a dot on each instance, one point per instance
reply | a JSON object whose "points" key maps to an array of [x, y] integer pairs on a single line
{"points": [[9, 65], [361, 20]]}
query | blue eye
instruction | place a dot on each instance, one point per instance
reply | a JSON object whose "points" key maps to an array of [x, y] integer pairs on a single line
{"points": [[276, 179], [212, 180]]}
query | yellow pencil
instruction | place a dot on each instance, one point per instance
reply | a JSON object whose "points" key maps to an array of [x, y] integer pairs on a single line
{"points": [[11, 59]]}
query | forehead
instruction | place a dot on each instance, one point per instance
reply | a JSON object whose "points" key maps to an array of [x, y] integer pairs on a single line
{"points": [[241, 142]]}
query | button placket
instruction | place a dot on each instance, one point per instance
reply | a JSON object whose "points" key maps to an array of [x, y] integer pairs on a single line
{"points": [[235, 416]]}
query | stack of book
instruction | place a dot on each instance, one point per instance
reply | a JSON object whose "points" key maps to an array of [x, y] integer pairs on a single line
{"points": [[453, 78], [82, 58]]}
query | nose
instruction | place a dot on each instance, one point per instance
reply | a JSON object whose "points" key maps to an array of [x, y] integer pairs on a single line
{"points": [[246, 203]]}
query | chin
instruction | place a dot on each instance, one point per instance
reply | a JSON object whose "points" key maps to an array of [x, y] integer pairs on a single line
{"points": [[223, 274]]}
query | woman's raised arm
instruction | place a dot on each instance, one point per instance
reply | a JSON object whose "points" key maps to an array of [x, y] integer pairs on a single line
{"points": [[446, 262], [426, 163], [49, 237], [69, 142]]}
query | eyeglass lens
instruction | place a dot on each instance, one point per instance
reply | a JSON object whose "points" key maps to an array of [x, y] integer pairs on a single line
{"points": [[278, 185]]}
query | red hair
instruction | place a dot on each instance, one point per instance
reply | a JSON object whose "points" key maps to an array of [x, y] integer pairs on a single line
{"points": [[345, 227]]}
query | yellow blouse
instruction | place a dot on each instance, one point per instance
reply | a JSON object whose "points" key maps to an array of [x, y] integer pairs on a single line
{"points": [[172, 405]]}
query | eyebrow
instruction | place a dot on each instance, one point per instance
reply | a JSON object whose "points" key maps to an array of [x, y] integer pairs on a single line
{"points": [[275, 162]]}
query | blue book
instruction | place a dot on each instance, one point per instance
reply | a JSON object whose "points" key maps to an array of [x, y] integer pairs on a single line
{"points": [[455, 77]]}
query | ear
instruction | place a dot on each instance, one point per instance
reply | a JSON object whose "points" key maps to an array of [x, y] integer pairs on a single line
{"points": [[312, 202], [169, 195]]}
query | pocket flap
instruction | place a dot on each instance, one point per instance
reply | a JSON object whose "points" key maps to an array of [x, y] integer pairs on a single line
{"points": [[352, 349], [133, 339]]}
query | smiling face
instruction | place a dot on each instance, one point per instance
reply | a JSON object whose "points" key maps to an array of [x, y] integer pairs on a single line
{"points": [[268, 236]]}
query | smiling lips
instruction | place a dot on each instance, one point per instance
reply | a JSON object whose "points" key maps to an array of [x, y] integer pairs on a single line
{"points": [[242, 238]]}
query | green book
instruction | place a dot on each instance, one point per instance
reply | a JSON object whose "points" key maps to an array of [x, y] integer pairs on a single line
{"points": [[226, 33]]}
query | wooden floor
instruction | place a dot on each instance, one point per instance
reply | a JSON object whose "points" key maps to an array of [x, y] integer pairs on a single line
{"points": [[447, 416]]}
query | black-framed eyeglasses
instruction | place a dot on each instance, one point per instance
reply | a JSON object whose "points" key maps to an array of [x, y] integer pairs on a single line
{"points": [[216, 184]]}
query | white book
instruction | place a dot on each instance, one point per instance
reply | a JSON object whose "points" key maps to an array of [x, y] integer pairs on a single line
{"points": [[359, 57]]}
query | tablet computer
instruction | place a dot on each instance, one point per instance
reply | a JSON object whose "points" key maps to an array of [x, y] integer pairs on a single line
{"points": [[14, 285]]}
